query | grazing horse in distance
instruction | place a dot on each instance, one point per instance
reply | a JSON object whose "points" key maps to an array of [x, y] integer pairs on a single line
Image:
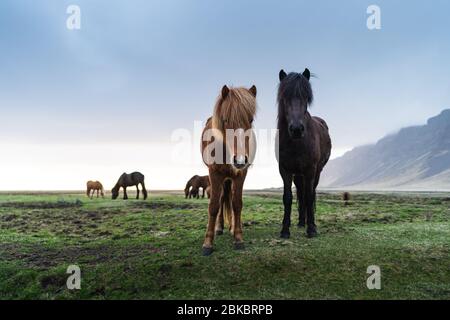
{"points": [[94, 186], [228, 149], [346, 197], [198, 182], [187, 192], [128, 180], [304, 147]]}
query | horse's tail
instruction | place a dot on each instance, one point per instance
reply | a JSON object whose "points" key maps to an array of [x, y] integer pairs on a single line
{"points": [[225, 202], [144, 189]]}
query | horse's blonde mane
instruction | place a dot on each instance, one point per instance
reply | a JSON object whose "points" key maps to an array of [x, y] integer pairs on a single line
{"points": [[238, 108]]}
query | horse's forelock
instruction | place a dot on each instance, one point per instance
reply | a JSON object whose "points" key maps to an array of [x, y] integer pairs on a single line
{"points": [[238, 108], [295, 85]]}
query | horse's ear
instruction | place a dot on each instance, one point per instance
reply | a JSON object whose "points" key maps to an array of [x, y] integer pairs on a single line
{"points": [[306, 73], [282, 75], [253, 91], [225, 92]]}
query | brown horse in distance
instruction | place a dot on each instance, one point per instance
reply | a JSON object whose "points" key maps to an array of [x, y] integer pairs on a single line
{"points": [[92, 186], [187, 189], [228, 149], [128, 180], [196, 182]]}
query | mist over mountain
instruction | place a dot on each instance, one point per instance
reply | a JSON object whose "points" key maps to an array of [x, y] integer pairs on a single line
{"points": [[415, 158]]}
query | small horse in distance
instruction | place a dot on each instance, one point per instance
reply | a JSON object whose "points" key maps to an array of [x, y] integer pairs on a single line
{"points": [[304, 147], [228, 161], [196, 182], [92, 186], [346, 197], [128, 180], [187, 189]]}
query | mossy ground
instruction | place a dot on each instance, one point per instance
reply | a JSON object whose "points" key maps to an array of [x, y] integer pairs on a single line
{"points": [[152, 250]]}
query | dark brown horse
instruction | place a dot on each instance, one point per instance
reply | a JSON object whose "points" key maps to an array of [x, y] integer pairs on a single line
{"points": [[196, 182], [128, 180], [228, 148], [304, 148], [187, 189]]}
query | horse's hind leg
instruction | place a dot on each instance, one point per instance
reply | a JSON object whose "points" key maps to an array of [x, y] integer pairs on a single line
{"points": [[220, 220], [144, 190], [137, 191]]}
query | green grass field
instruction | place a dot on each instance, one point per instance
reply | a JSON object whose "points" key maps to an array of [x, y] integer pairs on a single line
{"points": [[152, 249]]}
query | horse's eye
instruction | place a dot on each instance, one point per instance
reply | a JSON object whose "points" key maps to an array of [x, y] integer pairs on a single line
{"points": [[251, 121]]}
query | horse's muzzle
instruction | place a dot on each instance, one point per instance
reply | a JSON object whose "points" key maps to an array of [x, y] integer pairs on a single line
{"points": [[240, 162]]}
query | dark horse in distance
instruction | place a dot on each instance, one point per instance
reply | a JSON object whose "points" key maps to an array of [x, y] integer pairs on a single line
{"points": [[304, 147], [192, 189], [128, 180]]}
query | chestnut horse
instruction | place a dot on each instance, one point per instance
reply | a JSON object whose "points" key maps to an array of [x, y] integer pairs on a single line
{"points": [[228, 161], [128, 180], [304, 147], [94, 186]]}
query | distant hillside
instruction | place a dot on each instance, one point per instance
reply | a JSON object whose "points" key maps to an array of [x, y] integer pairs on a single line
{"points": [[416, 158]]}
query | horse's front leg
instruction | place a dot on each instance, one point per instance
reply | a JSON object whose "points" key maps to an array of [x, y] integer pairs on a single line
{"points": [[137, 191], [287, 202], [300, 188], [310, 199], [238, 185], [213, 209], [125, 196]]}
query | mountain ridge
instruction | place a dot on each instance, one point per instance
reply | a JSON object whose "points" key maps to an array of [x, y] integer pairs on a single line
{"points": [[414, 158]]}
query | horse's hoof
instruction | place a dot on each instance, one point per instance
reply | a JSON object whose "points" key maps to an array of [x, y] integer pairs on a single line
{"points": [[207, 251], [301, 225], [311, 233], [239, 246], [285, 235], [219, 232]]}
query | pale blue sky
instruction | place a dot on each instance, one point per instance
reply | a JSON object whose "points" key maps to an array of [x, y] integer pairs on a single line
{"points": [[139, 69]]}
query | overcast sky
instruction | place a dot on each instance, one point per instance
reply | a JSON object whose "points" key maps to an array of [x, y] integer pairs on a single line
{"points": [[92, 103]]}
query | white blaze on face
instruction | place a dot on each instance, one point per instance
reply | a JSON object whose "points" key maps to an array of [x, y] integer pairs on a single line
{"points": [[241, 144]]}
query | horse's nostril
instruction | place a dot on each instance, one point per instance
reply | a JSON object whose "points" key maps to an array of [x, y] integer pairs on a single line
{"points": [[246, 159]]}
